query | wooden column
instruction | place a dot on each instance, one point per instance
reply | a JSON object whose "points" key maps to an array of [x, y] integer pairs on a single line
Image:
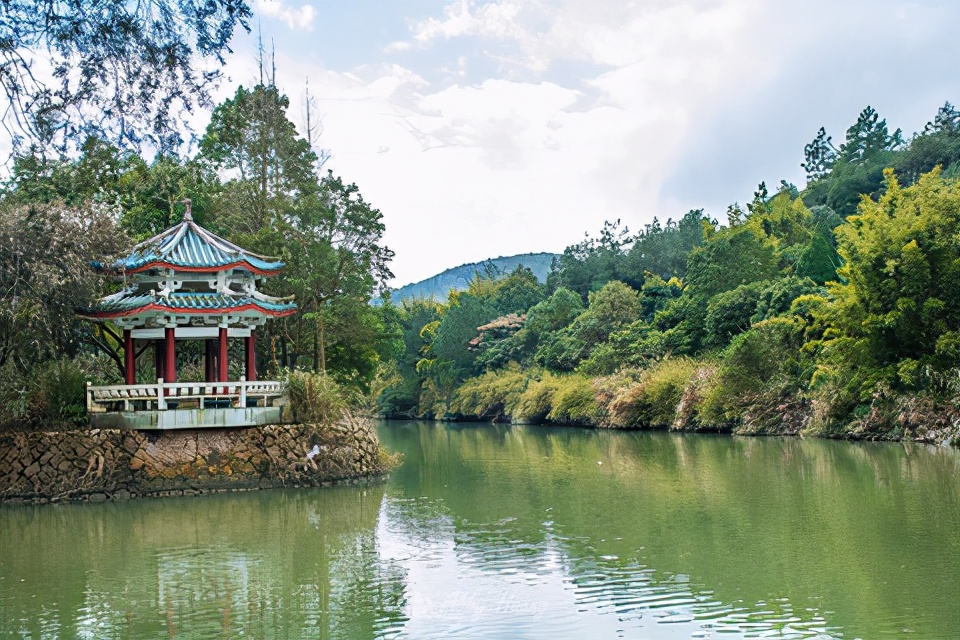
{"points": [[170, 353], [251, 358], [223, 354], [129, 358]]}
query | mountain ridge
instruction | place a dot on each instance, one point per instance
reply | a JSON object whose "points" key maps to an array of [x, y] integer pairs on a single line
{"points": [[459, 277]]}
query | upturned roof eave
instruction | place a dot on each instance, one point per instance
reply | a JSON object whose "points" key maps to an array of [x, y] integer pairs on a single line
{"points": [[95, 314], [119, 268]]}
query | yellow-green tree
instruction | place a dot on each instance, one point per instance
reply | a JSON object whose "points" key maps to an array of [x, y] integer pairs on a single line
{"points": [[895, 315]]}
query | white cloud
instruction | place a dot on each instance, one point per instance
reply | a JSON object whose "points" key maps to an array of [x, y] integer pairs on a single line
{"points": [[467, 17], [296, 18], [669, 101]]}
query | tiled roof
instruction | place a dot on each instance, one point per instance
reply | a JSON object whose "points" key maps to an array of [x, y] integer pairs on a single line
{"points": [[188, 246], [123, 304]]}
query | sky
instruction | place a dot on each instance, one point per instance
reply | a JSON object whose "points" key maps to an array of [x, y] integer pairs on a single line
{"points": [[490, 128]]}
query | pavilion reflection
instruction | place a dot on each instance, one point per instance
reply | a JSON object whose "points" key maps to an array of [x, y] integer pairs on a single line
{"points": [[263, 564]]}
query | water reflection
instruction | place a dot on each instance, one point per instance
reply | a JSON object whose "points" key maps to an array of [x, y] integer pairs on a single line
{"points": [[710, 536], [494, 532], [271, 564]]}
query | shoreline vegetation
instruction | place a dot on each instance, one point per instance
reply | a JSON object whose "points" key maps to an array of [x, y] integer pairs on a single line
{"points": [[828, 311], [680, 395]]}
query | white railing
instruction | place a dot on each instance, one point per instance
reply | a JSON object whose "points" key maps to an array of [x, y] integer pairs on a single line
{"points": [[160, 394]]}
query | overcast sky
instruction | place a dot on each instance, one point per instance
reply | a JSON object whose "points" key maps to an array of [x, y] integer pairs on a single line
{"points": [[489, 128]]}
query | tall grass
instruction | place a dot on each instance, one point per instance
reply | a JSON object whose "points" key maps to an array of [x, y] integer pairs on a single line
{"points": [[536, 402], [574, 401], [49, 396], [653, 400], [316, 398], [492, 396]]}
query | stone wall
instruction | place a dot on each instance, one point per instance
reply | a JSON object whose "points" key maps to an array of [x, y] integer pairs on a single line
{"points": [[105, 464]]}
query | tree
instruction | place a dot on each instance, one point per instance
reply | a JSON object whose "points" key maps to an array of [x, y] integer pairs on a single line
{"points": [[447, 359], [336, 261], [588, 265], [896, 309], [868, 137], [149, 196], [662, 249], [517, 292], [267, 167], [554, 313], [760, 204], [121, 71], [731, 257], [610, 309], [152, 195], [947, 120], [273, 201], [93, 176], [45, 276], [819, 156], [412, 316], [938, 144], [729, 313], [857, 168]]}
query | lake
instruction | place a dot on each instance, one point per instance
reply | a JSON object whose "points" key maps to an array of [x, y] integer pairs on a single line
{"points": [[492, 531]]}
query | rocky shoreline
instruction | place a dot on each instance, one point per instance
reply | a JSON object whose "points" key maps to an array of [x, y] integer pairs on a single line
{"points": [[101, 465]]}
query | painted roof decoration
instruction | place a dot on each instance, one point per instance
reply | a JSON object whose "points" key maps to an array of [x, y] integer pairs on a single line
{"points": [[189, 247]]}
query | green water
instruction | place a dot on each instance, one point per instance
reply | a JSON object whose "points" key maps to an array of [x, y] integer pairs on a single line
{"points": [[518, 532]]}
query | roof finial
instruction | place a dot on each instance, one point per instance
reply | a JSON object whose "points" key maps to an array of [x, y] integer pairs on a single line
{"points": [[188, 216]]}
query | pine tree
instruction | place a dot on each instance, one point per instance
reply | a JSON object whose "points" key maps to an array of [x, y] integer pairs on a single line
{"points": [[868, 137], [819, 156]]}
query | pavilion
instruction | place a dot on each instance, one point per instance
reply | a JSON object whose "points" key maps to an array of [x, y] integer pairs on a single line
{"points": [[187, 283]]}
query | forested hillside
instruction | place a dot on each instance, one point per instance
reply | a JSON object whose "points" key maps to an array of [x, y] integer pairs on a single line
{"points": [[439, 286], [829, 309]]}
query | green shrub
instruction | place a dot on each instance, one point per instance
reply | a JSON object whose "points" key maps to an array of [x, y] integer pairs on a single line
{"points": [[49, 396], [492, 395], [606, 389], [574, 401], [689, 413], [758, 371], [536, 402], [652, 400], [316, 398]]}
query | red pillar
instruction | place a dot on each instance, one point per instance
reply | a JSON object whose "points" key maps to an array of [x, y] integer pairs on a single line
{"points": [[223, 354], [170, 351], [251, 358], [129, 357]]}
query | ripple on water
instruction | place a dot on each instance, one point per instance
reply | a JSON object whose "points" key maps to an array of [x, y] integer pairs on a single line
{"points": [[503, 553]]}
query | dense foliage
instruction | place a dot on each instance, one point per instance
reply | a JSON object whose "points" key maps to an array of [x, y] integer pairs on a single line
{"points": [[822, 310], [120, 71], [255, 181]]}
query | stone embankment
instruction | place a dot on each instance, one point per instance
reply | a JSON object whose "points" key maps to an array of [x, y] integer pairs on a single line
{"points": [[104, 465]]}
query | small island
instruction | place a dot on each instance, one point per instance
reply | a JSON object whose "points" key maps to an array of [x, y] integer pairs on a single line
{"points": [[167, 437]]}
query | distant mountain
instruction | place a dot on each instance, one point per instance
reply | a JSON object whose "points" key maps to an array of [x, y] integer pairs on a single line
{"points": [[459, 277]]}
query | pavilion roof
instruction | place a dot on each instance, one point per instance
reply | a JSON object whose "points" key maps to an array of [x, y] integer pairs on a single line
{"points": [[128, 302], [189, 247]]}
